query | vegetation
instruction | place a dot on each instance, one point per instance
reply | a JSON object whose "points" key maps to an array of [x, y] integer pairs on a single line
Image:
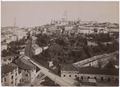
{"points": [[73, 48]]}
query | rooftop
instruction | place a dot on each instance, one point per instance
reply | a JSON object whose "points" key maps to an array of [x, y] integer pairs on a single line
{"points": [[8, 68], [23, 63], [68, 67], [90, 70]]}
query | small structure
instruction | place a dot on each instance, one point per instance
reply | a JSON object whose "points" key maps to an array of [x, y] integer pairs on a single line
{"points": [[90, 43], [50, 63], [22, 51], [45, 48], [36, 49]]}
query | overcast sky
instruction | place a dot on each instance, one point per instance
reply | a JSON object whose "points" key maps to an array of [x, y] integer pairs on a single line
{"points": [[38, 13]]}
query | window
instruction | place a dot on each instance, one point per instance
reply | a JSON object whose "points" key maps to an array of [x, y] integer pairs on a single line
{"points": [[95, 78], [88, 77], [26, 74], [82, 77], [12, 77], [12, 82], [5, 79], [75, 75], [20, 80], [9, 59], [63, 75], [69, 75], [101, 78], [108, 79], [4, 59]]}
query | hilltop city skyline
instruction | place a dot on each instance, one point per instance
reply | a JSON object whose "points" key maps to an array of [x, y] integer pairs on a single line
{"points": [[39, 13]]}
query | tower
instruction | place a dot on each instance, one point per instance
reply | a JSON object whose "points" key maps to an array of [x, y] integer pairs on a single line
{"points": [[15, 22], [64, 19]]}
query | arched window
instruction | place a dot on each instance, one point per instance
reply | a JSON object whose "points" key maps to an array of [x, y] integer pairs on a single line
{"points": [[88, 77]]}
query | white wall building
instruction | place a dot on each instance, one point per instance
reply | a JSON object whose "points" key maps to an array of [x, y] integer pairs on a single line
{"points": [[3, 46], [36, 49]]}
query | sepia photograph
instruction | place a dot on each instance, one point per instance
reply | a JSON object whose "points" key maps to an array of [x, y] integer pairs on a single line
{"points": [[60, 43]]}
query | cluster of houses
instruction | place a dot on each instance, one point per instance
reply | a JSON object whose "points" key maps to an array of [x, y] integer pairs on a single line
{"points": [[7, 35], [17, 71], [76, 27]]}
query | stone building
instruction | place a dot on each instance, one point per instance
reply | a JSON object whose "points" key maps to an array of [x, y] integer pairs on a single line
{"points": [[85, 74], [26, 69], [10, 75]]}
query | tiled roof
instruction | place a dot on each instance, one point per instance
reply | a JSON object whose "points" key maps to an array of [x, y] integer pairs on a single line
{"points": [[8, 68], [24, 63], [68, 67], [92, 70]]}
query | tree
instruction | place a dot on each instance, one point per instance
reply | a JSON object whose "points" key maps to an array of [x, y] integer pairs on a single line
{"points": [[42, 40], [4, 53]]}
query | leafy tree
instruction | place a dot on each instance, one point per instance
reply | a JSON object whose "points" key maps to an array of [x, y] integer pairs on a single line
{"points": [[42, 40], [4, 53]]}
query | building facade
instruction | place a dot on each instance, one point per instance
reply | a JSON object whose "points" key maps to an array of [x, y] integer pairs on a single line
{"points": [[10, 75], [85, 74]]}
